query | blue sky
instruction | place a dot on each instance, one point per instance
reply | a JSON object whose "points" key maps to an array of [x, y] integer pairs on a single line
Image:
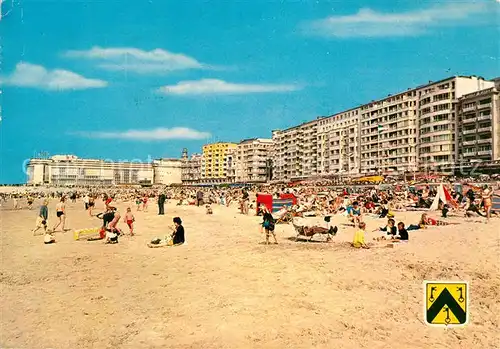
{"points": [[138, 79]]}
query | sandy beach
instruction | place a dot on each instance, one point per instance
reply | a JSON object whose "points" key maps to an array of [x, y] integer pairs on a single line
{"points": [[225, 289]]}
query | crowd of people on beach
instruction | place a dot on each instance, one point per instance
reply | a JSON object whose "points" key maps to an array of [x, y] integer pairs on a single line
{"points": [[355, 202]]}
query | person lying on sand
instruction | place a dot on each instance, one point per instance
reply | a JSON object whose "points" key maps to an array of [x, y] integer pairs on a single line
{"points": [[389, 231], [310, 231]]}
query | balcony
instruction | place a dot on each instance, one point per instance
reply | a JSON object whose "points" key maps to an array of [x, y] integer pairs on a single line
{"points": [[484, 152], [469, 154], [469, 109], [468, 132], [469, 120], [484, 117], [469, 143], [482, 106], [484, 141], [485, 129]]}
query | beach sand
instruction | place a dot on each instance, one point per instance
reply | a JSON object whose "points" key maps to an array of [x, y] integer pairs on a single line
{"points": [[224, 289]]}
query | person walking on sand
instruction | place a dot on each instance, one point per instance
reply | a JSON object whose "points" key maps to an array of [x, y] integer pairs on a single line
{"points": [[486, 195], [161, 203], [91, 205], [61, 214], [41, 220], [145, 203], [130, 219]]}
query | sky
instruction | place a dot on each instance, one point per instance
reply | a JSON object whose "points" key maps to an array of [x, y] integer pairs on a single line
{"points": [[128, 80]]}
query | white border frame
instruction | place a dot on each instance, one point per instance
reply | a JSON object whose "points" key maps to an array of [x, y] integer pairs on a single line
{"points": [[467, 302]]}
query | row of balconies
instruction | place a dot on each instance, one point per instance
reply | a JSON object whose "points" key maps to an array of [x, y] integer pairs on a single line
{"points": [[477, 130]]}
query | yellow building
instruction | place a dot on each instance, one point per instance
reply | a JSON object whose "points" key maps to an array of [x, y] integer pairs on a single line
{"points": [[217, 165]]}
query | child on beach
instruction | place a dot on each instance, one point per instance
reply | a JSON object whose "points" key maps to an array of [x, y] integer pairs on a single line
{"points": [[138, 202], [268, 224], [402, 233], [390, 230], [209, 209], [145, 203], [41, 220], [359, 237], [129, 219]]}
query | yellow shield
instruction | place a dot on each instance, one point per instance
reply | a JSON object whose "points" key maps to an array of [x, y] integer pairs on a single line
{"points": [[446, 303]]}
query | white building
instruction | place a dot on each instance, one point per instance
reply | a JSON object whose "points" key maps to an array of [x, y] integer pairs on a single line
{"points": [[66, 170], [252, 158], [339, 144], [478, 129], [437, 122], [167, 171], [295, 152]]}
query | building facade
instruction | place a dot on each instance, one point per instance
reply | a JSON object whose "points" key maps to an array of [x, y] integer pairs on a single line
{"points": [[252, 159], [167, 171], [66, 170], [217, 165], [191, 168], [295, 152], [409, 131], [478, 128], [339, 144], [437, 120]]}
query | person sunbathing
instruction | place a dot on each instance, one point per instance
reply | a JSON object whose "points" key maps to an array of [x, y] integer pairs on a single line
{"points": [[310, 231]]}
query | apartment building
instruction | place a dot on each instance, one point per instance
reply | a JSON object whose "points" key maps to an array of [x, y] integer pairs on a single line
{"points": [[217, 165], [66, 170], [437, 121], [388, 132], [191, 168], [295, 151], [478, 127], [252, 160], [339, 143]]}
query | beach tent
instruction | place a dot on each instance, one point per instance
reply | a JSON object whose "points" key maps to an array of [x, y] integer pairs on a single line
{"points": [[442, 195], [273, 204]]}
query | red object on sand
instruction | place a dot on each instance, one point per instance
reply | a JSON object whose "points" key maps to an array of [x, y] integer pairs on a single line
{"points": [[264, 199]]}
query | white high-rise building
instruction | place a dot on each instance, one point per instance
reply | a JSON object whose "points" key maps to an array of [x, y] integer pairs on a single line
{"points": [[338, 144], [252, 158]]}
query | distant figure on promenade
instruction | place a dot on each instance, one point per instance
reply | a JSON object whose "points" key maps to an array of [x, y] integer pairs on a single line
{"points": [[161, 203]]}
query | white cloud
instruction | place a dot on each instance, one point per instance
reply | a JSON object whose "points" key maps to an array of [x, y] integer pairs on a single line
{"points": [[370, 23], [36, 76], [137, 60], [157, 134], [214, 86]]}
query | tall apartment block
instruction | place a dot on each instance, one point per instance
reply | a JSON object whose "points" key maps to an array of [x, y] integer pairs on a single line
{"points": [[478, 127], [339, 143], [252, 157], [389, 134], [217, 163], [295, 151]]}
